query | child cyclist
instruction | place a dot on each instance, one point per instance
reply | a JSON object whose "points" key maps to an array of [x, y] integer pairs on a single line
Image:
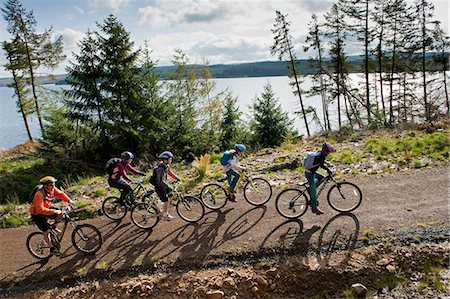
{"points": [[119, 178], [160, 181], [317, 160], [231, 166]]}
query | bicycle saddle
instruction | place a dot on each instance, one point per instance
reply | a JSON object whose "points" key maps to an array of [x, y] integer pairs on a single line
{"points": [[303, 184], [221, 180]]}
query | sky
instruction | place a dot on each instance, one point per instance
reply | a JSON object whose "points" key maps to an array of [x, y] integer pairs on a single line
{"points": [[229, 31]]}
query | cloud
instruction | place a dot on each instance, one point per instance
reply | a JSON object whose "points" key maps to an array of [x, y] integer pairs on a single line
{"points": [[113, 4], [316, 6], [79, 10]]}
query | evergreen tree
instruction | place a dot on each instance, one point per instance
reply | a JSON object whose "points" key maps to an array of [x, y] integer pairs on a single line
{"points": [[15, 54], [230, 123], [120, 85], [183, 95], [441, 45], [269, 124], [39, 49], [84, 100], [283, 47], [314, 41]]}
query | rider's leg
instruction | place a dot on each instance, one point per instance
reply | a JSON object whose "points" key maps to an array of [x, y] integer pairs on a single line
{"points": [[42, 223], [47, 238], [163, 196], [124, 188], [233, 178], [312, 192]]}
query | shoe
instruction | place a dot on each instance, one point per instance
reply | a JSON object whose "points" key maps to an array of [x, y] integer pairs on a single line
{"points": [[54, 251], [232, 197], [318, 212], [168, 217]]}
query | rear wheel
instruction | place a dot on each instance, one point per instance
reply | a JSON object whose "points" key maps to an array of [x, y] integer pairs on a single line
{"points": [[37, 246], [190, 209], [113, 209], [257, 191], [144, 215], [291, 203], [344, 197], [213, 196], [87, 239]]}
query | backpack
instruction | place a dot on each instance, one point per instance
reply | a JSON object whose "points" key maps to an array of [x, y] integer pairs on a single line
{"points": [[225, 157], [154, 178], [308, 161], [111, 164], [33, 192]]}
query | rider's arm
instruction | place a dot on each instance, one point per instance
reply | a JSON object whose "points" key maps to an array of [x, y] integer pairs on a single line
{"points": [[134, 170], [234, 163], [40, 207], [171, 174], [61, 195]]}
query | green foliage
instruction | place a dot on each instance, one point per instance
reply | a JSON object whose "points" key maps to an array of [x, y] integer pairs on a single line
{"points": [[230, 123], [202, 165], [14, 220], [270, 125], [390, 280]]}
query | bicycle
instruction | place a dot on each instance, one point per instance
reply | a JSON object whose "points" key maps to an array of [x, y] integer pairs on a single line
{"points": [[257, 191], [115, 210], [86, 238], [342, 197], [147, 214]]}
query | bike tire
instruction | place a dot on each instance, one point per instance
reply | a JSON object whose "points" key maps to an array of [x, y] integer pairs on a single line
{"points": [[292, 203], [257, 192], [214, 196], [190, 209], [112, 209], [344, 197], [87, 239], [37, 247], [145, 216]]}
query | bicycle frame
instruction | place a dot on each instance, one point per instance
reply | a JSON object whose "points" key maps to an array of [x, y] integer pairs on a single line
{"points": [[320, 186], [67, 220]]}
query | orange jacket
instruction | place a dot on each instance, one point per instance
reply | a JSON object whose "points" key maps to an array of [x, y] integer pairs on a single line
{"points": [[41, 205]]}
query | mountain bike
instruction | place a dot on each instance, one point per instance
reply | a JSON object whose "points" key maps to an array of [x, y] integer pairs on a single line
{"points": [[342, 197], [257, 191], [86, 238], [115, 210], [147, 214]]}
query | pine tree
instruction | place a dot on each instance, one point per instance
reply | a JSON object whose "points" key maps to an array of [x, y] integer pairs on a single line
{"points": [[39, 49], [442, 44], [270, 125], [120, 85], [283, 47], [314, 41], [230, 123], [15, 52]]}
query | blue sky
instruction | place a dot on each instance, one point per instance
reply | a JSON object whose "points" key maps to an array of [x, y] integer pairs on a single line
{"points": [[219, 31]]}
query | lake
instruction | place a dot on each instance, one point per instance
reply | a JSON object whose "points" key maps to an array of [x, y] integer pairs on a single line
{"points": [[12, 129]]}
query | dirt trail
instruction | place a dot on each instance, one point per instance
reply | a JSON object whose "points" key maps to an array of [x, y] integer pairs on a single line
{"points": [[396, 202]]}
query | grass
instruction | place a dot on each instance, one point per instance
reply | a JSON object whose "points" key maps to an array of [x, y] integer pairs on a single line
{"points": [[390, 280], [202, 165], [432, 276], [14, 220]]}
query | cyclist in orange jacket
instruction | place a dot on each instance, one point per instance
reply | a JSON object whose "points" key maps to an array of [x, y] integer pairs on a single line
{"points": [[41, 210]]}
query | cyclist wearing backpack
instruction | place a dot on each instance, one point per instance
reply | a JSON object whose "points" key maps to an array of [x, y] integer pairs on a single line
{"points": [[41, 210], [311, 163], [118, 178], [230, 163], [159, 179]]}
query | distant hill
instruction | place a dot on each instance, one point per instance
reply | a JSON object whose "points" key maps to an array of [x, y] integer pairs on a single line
{"points": [[239, 70]]}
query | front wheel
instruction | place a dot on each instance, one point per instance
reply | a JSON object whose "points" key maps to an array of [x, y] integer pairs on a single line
{"points": [[144, 215], [113, 209], [37, 246], [257, 191], [213, 196], [190, 208], [344, 197], [291, 203], [87, 239]]}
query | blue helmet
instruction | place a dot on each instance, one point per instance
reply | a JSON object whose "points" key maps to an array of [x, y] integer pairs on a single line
{"points": [[240, 147], [165, 155], [127, 155]]}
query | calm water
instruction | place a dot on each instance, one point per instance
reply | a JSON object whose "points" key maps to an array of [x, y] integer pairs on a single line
{"points": [[12, 128]]}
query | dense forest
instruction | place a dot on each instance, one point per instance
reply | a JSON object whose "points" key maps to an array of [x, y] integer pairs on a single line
{"points": [[120, 99]]}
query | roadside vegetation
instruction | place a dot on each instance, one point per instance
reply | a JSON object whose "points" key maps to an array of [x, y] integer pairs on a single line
{"points": [[364, 153]]}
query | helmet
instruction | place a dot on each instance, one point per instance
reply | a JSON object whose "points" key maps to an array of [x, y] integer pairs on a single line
{"points": [[47, 179], [327, 147], [240, 147], [127, 155], [165, 155]]}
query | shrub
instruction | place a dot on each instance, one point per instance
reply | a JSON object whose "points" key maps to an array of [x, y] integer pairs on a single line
{"points": [[202, 165], [15, 220]]}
